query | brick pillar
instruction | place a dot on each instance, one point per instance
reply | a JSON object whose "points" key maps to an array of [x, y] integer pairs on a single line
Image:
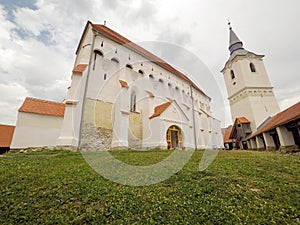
{"points": [[270, 145], [286, 139]]}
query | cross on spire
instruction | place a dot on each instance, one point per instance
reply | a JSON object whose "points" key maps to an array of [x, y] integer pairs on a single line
{"points": [[229, 24]]}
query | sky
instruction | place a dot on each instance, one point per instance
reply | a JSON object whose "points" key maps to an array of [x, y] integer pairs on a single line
{"points": [[38, 40]]}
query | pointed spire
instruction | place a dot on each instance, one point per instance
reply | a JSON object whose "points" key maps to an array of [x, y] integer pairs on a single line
{"points": [[234, 42]]}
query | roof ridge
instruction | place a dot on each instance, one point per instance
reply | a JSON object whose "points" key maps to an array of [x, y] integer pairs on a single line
{"points": [[43, 100], [1, 124], [44, 107]]}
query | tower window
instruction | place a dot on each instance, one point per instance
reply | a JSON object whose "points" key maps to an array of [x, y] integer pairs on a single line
{"points": [[232, 74], [133, 101], [104, 77], [141, 71], [129, 66], [252, 68], [151, 76]]}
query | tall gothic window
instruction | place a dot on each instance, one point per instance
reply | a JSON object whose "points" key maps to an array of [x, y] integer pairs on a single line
{"points": [[133, 101], [252, 68], [232, 74]]}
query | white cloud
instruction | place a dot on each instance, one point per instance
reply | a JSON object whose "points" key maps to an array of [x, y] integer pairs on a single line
{"points": [[12, 96], [6, 26], [42, 68], [29, 20]]}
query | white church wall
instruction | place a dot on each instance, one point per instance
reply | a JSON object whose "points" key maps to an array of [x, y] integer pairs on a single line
{"points": [[36, 130], [264, 106], [84, 49], [255, 79], [70, 130], [235, 84]]}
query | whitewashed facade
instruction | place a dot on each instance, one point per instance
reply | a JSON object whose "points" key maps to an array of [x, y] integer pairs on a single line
{"points": [[121, 97]]}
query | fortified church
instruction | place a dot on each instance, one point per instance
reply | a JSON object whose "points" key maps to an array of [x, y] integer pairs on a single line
{"points": [[121, 96]]}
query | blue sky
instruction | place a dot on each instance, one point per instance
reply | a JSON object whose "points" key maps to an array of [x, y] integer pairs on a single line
{"points": [[38, 40]]}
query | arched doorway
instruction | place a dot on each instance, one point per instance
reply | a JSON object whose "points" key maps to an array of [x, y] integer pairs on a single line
{"points": [[174, 138]]}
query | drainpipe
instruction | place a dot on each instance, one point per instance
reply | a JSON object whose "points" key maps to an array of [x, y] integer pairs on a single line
{"points": [[194, 124], [85, 90]]}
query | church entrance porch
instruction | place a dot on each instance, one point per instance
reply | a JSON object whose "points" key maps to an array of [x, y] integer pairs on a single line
{"points": [[174, 138]]}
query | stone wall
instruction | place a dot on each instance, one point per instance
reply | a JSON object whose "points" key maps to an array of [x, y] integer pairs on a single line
{"points": [[97, 127], [95, 138]]}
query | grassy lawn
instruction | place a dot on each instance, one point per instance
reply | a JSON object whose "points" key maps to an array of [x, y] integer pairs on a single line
{"points": [[239, 187]]}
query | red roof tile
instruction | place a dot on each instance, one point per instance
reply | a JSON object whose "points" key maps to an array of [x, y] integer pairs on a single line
{"points": [[281, 118], [134, 47], [242, 120], [6, 135], [38, 106], [160, 109], [71, 102], [79, 68], [226, 134], [123, 83]]}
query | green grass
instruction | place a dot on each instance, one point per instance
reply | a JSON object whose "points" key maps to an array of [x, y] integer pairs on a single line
{"points": [[239, 187]]}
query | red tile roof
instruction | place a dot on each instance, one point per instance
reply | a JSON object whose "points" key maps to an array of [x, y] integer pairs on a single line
{"points": [[226, 134], [6, 135], [71, 102], [38, 106], [79, 68], [134, 47], [281, 118], [123, 83], [242, 120], [160, 109]]}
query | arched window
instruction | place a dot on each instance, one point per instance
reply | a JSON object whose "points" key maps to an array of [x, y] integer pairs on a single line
{"points": [[151, 76], [133, 101], [141, 71], [115, 60], [129, 66], [104, 77], [232, 74], [252, 68], [97, 53], [160, 80]]}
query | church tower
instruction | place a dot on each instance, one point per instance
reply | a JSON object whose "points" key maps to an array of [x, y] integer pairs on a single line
{"points": [[249, 90]]}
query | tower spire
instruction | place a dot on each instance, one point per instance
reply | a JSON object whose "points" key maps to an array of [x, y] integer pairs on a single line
{"points": [[235, 43]]}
